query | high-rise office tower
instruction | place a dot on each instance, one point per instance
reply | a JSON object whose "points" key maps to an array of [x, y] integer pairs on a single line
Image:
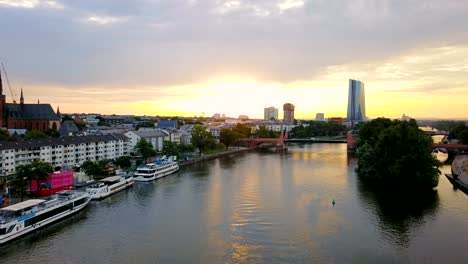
{"points": [[288, 113], [356, 102], [270, 113]]}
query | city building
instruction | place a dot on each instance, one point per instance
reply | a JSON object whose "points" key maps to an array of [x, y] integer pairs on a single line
{"points": [[165, 124], [154, 136], [338, 120], [320, 117], [243, 117], [356, 102], [288, 110], [65, 152], [27, 116], [270, 113], [216, 116]]}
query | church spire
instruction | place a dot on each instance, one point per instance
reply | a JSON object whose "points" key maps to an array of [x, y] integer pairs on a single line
{"points": [[21, 98], [58, 111], [1, 84]]}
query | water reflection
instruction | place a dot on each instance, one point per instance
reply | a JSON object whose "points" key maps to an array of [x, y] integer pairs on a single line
{"points": [[398, 215]]}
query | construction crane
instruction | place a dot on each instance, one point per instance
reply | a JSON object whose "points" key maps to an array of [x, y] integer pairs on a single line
{"points": [[13, 95]]}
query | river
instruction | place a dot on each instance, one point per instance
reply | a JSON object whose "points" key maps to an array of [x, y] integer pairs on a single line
{"points": [[258, 207]]}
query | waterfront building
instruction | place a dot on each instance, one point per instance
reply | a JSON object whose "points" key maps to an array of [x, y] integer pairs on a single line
{"points": [[27, 116], [288, 110], [320, 117], [270, 113], [65, 152], [154, 136], [356, 102]]}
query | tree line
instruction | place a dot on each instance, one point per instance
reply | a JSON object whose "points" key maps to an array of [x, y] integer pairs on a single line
{"points": [[318, 129]]}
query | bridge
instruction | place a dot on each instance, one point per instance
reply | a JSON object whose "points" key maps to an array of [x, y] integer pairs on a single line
{"points": [[278, 143]]}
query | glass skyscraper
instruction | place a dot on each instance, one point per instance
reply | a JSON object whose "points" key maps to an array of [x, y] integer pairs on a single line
{"points": [[356, 102]]}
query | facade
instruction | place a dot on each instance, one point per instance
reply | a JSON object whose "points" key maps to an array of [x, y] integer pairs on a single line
{"points": [[270, 113], [320, 117], [27, 116], [167, 124], [216, 116], [154, 136], [65, 152], [356, 102], [338, 120], [288, 113]]}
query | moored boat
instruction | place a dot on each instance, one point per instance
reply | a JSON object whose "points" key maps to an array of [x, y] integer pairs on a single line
{"points": [[153, 171], [23, 218], [109, 186], [459, 176]]}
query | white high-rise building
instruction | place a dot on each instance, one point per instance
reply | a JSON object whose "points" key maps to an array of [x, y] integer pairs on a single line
{"points": [[270, 113]]}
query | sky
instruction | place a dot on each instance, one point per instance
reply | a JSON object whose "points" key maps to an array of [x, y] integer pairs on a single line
{"points": [[201, 57]]}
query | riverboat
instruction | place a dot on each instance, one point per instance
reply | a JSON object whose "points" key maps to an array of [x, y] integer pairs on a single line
{"points": [[23, 218], [153, 171], [109, 186], [459, 176]]}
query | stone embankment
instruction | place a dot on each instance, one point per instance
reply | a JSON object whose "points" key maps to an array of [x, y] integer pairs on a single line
{"points": [[214, 156]]}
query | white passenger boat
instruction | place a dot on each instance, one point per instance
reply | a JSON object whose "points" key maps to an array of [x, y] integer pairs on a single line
{"points": [[108, 186], [25, 217], [153, 171]]}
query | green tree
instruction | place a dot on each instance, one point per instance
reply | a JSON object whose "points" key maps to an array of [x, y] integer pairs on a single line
{"points": [[123, 162], [463, 136], [242, 130], [398, 155], [4, 136], [35, 134], [202, 139], [37, 171], [228, 137], [170, 148], [93, 168], [262, 132], [52, 133], [145, 149]]}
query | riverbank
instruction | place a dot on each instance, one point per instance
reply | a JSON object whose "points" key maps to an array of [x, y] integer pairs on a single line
{"points": [[198, 159]]}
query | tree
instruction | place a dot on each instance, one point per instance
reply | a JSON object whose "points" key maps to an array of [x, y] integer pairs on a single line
{"points": [[123, 162], [463, 136], [145, 149], [4, 135], [93, 168], [262, 132], [397, 154], [242, 130], [228, 137], [202, 139], [170, 148], [37, 170], [52, 133], [35, 134]]}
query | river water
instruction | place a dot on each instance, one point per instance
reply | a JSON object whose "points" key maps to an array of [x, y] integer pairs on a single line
{"points": [[258, 207]]}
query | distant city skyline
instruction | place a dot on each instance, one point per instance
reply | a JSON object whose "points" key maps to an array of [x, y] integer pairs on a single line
{"points": [[187, 57]]}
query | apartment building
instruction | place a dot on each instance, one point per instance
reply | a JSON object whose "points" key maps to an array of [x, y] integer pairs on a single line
{"points": [[64, 151]]}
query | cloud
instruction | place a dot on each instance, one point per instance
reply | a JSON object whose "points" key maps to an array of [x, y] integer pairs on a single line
{"points": [[104, 20], [181, 42], [31, 4]]}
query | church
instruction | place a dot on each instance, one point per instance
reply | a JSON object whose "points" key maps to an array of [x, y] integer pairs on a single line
{"points": [[27, 116]]}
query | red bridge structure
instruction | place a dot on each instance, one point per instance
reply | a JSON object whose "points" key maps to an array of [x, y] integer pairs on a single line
{"points": [[278, 143]]}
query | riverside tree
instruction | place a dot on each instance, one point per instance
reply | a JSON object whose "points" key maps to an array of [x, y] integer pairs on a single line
{"points": [[202, 139], [145, 149], [37, 171], [170, 148], [228, 137], [398, 155]]}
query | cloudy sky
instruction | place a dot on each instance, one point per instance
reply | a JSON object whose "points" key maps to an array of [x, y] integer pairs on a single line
{"points": [[185, 57]]}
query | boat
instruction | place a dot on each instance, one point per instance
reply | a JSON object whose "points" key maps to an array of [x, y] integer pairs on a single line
{"points": [[23, 218], [109, 186], [459, 176], [153, 171]]}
